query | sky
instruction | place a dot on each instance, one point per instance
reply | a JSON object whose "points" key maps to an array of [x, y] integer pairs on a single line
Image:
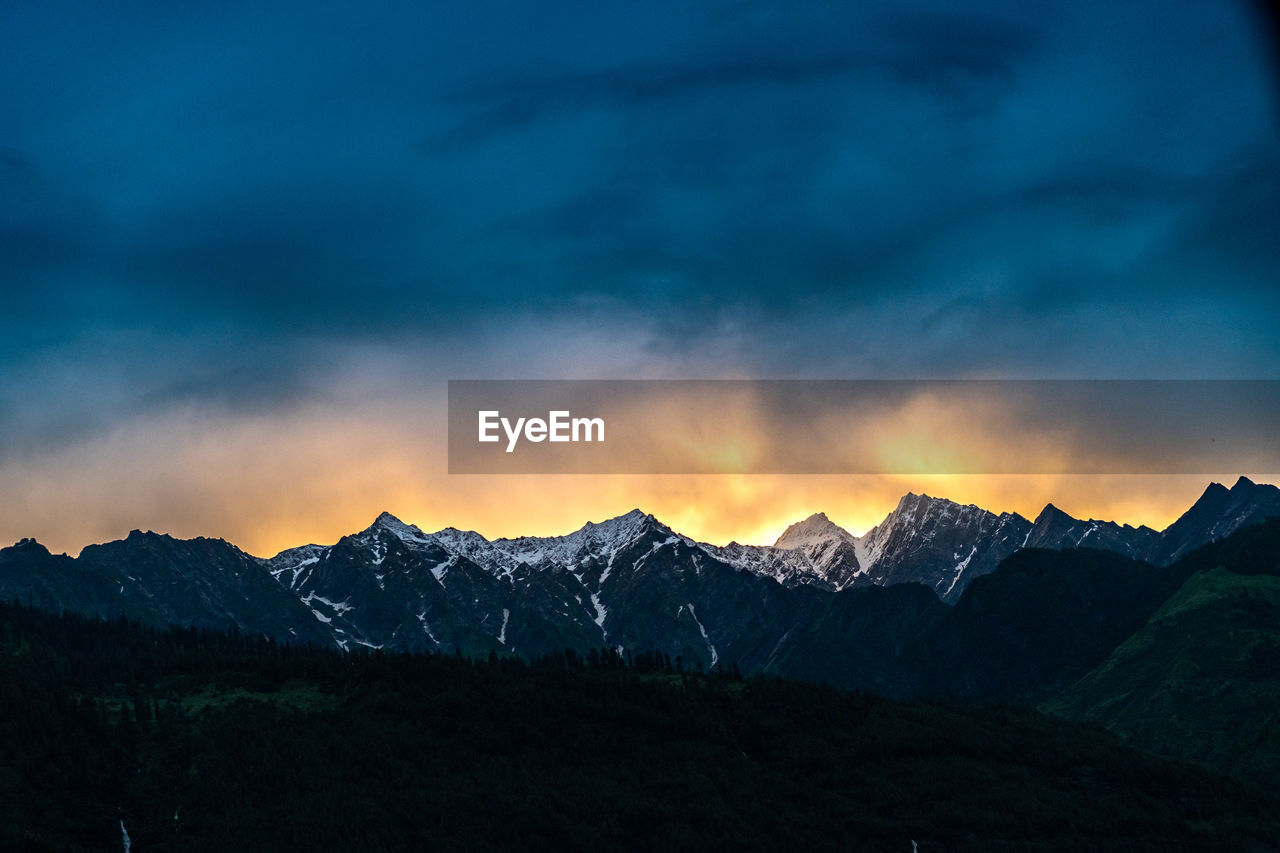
{"points": [[243, 246]]}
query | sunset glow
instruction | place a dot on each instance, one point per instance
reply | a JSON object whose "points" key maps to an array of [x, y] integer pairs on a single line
{"points": [[268, 483], [237, 287]]}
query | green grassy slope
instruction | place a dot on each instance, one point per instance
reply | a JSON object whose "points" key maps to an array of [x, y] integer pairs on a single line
{"points": [[1200, 681]]}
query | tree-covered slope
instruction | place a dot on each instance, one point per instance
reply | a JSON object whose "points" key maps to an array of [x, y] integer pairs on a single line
{"points": [[192, 740], [1200, 681], [1038, 623]]}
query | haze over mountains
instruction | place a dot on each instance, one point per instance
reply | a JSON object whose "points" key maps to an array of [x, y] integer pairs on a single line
{"points": [[629, 582]]}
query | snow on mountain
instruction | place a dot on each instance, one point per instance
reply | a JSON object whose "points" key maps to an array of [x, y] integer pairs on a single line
{"points": [[1056, 529], [940, 543], [409, 534], [394, 583], [629, 581], [288, 565], [933, 541], [815, 551], [591, 545], [937, 542], [791, 567], [816, 531]]}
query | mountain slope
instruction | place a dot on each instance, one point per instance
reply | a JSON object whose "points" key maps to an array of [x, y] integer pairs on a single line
{"points": [[946, 546], [931, 541], [940, 544], [794, 607], [1038, 623], [206, 583], [193, 742], [812, 552], [859, 639], [1201, 679], [1218, 513], [30, 574], [1054, 528], [392, 586]]}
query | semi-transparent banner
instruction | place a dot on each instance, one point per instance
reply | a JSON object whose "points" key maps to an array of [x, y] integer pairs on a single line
{"points": [[864, 426]]}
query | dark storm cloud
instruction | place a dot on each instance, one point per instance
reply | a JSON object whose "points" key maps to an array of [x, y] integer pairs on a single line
{"points": [[54, 396], [932, 51], [933, 47], [211, 206], [1237, 226], [518, 102]]}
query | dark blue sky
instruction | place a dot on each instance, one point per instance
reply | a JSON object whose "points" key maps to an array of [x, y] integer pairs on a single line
{"points": [[250, 207]]}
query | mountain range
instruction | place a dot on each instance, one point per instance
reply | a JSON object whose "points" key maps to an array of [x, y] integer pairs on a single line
{"points": [[629, 582], [1168, 638]]}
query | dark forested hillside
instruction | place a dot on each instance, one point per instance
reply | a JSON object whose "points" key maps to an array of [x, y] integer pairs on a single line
{"points": [[193, 740], [1201, 679], [1038, 623]]}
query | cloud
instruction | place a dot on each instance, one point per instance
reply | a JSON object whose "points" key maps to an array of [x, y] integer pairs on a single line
{"points": [[513, 104], [274, 481], [222, 211], [941, 51]]}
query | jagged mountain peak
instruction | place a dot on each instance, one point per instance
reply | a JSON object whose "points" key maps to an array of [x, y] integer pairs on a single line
{"points": [[911, 499], [635, 520], [816, 529], [1053, 513], [29, 546], [629, 516], [594, 542], [1247, 489], [913, 508], [1215, 491], [623, 580], [1219, 512], [458, 534], [936, 541], [1217, 495], [149, 538], [630, 523], [410, 534]]}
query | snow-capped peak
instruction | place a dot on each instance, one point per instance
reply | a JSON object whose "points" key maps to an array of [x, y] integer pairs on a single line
{"points": [[605, 536], [913, 510], [630, 522], [458, 540], [594, 541], [815, 550], [410, 534], [814, 530]]}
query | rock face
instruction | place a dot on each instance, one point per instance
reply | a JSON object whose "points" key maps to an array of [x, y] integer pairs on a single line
{"points": [[159, 580], [931, 541], [940, 544], [1055, 529], [1217, 514], [628, 582]]}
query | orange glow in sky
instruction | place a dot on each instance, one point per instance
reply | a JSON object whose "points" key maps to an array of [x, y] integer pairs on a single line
{"points": [[277, 481]]}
